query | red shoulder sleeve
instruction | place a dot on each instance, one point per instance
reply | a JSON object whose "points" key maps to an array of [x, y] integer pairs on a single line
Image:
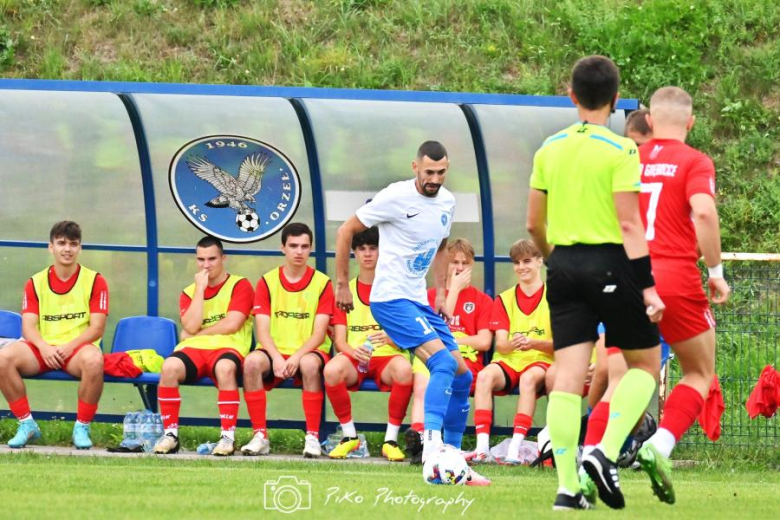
{"points": [[98, 302], [484, 311], [30, 299], [327, 300], [701, 177], [499, 319], [242, 298], [184, 303], [339, 317], [262, 303]]}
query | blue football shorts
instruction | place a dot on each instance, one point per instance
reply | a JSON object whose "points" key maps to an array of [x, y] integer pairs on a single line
{"points": [[410, 324]]}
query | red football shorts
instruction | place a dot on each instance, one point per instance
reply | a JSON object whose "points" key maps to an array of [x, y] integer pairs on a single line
{"points": [[687, 311], [376, 366], [42, 367], [204, 360], [271, 381], [514, 376]]}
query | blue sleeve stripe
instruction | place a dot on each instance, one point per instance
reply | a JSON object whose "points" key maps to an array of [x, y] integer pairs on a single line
{"points": [[610, 141], [554, 138]]}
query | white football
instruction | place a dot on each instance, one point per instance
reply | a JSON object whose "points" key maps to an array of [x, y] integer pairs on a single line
{"points": [[446, 466], [247, 221]]}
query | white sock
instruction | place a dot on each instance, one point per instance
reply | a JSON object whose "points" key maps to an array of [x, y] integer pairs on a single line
{"points": [[229, 434], [28, 418], [349, 429], [391, 434], [431, 442], [174, 431], [483, 442], [514, 446], [664, 441]]}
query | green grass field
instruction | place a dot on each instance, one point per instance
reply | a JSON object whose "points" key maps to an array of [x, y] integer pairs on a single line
{"points": [[170, 488]]}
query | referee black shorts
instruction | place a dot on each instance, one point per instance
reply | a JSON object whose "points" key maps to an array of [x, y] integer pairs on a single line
{"points": [[588, 284]]}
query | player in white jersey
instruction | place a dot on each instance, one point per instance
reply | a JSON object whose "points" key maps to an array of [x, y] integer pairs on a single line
{"points": [[414, 218]]}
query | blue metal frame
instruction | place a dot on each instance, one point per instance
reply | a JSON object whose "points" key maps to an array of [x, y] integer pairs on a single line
{"points": [[152, 264], [486, 198], [299, 92], [318, 196]]}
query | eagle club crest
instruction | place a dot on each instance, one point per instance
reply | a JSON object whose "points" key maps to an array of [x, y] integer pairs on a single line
{"points": [[234, 188]]}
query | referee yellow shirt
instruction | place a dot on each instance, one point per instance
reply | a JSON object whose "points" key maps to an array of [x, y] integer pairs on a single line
{"points": [[580, 168]]}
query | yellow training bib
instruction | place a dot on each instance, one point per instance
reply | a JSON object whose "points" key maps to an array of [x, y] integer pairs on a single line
{"points": [[63, 317], [215, 309], [535, 325]]}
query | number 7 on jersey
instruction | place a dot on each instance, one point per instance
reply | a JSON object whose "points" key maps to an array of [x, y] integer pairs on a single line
{"points": [[654, 189]]}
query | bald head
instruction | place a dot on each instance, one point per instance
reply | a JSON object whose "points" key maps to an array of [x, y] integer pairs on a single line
{"points": [[671, 106]]}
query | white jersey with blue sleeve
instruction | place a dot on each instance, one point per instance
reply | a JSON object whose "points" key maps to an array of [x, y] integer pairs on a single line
{"points": [[411, 228]]}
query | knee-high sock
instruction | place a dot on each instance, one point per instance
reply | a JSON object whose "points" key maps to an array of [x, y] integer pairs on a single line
{"points": [[85, 412], [312, 410], [680, 411], [228, 401], [628, 403], [563, 421], [400, 395], [458, 409], [597, 423], [338, 395], [256, 406], [170, 401], [442, 367], [21, 408]]}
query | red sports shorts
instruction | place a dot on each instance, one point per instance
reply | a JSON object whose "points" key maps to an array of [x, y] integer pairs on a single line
{"points": [[42, 367], [271, 381], [513, 376]]}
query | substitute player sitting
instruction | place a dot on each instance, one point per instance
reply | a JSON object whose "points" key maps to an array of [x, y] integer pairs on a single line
{"points": [[681, 218], [293, 308], [469, 311], [216, 335], [63, 318], [388, 365], [521, 320]]}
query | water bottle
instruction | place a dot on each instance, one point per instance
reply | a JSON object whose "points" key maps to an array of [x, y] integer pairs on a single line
{"points": [[130, 426], [362, 450], [363, 365], [206, 448], [159, 429]]}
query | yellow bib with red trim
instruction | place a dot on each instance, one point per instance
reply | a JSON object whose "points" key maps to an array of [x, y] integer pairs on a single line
{"points": [[535, 326], [215, 309], [63, 317], [293, 313]]}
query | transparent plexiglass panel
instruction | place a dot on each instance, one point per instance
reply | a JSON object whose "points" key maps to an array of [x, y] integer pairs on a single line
{"points": [[198, 135], [69, 156], [512, 135], [365, 145], [124, 272]]}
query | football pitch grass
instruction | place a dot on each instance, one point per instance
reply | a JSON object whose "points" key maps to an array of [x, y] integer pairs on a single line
{"points": [[45, 486]]}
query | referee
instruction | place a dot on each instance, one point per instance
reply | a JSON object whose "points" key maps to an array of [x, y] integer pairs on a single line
{"points": [[583, 214]]}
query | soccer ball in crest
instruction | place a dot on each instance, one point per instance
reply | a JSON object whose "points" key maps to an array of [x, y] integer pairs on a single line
{"points": [[446, 466], [248, 221]]}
